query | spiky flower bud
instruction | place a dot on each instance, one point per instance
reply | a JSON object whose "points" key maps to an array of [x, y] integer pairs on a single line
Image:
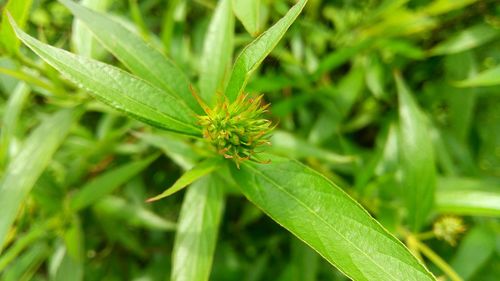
{"points": [[448, 228], [237, 129]]}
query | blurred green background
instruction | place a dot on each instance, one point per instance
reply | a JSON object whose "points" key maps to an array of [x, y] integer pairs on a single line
{"points": [[332, 85]]}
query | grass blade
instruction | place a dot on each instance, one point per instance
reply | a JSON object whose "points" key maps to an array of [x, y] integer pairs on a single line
{"points": [[19, 9], [248, 13], [23, 171], [217, 51], [197, 230], [417, 159]]}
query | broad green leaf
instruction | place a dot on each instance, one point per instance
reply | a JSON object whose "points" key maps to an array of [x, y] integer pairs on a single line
{"points": [[83, 42], [189, 177], [417, 159], [142, 59], [323, 216], [490, 77], [474, 251], [19, 9], [25, 168], [467, 39], [468, 197], [118, 88], [217, 52], [10, 118], [254, 53], [197, 230], [248, 13], [104, 184]]}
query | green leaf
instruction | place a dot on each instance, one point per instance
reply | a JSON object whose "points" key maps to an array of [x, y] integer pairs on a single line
{"points": [[117, 88], [197, 229], [25, 168], [27, 264], [490, 77], [474, 251], [120, 210], [142, 59], [470, 197], [323, 216], [248, 13], [189, 177], [466, 39], [81, 37], [104, 184], [254, 53], [10, 118], [19, 9], [217, 51], [417, 159]]}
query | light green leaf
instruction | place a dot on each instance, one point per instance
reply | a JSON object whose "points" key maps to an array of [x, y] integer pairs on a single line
{"points": [[248, 13], [197, 230], [254, 53], [417, 159], [120, 210], [490, 77], [107, 182], [323, 216], [25, 168], [142, 59], [9, 119], [19, 9], [470, 197], [27, 264], [118, 88], [81, 37], [466, 39], [189, 177], [217, 51]]}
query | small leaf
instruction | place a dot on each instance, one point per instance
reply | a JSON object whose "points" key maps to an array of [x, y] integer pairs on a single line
{"points": [[217, 51], [104, 184], [248, 13], [323, 216], [19, 9], [470, 197], [25, 168], [490, 77], [197, 229], [189, 177], [417, 159], [466, 39], [118, 88], [142, 59], [254, 53]]}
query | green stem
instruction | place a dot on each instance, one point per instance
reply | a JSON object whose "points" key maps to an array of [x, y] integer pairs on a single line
{"points": [[438, 261], [425, 235]]}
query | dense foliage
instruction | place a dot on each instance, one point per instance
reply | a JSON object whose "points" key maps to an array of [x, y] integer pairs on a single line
{"points": [[287, 140]]}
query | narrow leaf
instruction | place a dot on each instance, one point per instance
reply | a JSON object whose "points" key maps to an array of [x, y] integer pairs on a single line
{"points": [[217, 51], [466, 39], [107, 182], [117, 88], [197, 230], [254, 53], [248, 13], [142, 59], [417, 159], [323, 216], [189, 177], [470, 197], [23, 171], [490, 77], [19, 9]]}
